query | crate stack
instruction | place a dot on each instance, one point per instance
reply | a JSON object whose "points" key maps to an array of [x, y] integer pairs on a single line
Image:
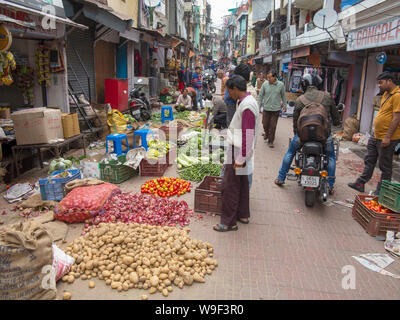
{"points": [[377, 224]]}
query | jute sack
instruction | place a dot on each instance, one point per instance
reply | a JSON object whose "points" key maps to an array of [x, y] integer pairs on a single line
{"points": [[351, 126], [26, 258]]}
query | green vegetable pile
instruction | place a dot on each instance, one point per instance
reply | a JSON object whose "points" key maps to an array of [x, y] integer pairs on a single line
{"points": [[197, 172], [59, 165], [156, 117]]}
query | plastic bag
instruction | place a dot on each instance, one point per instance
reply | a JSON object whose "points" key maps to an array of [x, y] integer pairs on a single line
{"points": [[117, 122], [62, 262], [83, 203], [363, 141]]}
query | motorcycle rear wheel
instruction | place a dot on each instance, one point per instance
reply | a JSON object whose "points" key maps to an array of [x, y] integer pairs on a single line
{"points": [[310, 198]]}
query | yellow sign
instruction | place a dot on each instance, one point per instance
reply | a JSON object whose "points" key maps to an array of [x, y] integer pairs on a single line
{"points": [[5, 39]]}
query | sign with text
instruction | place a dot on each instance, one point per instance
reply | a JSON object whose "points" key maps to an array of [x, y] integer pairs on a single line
{"points": [[301, 52], [40, 4], [379, 35], [286, 36]]}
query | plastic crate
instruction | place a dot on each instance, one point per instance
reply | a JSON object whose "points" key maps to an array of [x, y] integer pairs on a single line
{"points": [[375, 224], [389, 195], [169, 131], [117, 172], [54, 189], [208, 195], [151, 169]]}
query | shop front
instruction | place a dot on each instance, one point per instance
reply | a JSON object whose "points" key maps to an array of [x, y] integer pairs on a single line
{"points": [[379, 47], [33, 71]]}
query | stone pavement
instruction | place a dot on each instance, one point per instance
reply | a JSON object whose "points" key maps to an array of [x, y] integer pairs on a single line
{"points": [[288, 251]]}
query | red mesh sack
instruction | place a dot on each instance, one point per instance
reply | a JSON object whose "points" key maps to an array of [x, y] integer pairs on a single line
{"points": [[84, 202]]}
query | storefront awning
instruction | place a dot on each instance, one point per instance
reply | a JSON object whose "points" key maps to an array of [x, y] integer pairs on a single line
{"points": [[106, 18], [19, 7], [131, 34]]}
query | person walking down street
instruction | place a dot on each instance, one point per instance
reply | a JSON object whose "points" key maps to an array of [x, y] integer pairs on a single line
{"points": [[311, 93], [230, 103], [197, 84], [254, 79], [260, 82], [241, 137], [386, 135], [272, 98], [184, 102]]}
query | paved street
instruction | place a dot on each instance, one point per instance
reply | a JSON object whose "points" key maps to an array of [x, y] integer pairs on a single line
{"points": [[287, 251]]}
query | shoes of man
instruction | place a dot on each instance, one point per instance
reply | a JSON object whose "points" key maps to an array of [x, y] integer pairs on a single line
{"points": [[270, 144], [357, 186]]}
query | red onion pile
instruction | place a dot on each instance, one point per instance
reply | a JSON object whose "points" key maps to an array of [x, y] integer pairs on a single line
{"points": [[143, 209]]}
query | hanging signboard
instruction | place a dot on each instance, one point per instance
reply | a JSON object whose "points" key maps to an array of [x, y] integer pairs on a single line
{"points": [[41, 5], [34, 21], [382, 34], [287, 57], [301, 52], [267, 59]]}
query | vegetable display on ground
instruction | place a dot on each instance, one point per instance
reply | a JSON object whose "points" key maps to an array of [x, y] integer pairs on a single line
{"points": [[166, 187], [152, 258]]}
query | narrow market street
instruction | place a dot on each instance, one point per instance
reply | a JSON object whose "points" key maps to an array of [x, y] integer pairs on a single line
{"points": [[288, 251]]}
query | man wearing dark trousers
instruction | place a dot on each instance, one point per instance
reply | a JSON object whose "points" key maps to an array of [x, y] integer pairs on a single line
{"points": [[386, 135], [272, 98]]}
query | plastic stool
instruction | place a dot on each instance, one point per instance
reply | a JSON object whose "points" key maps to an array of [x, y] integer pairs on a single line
{"points": [[142, 133], [117, 140], [171, 114]]}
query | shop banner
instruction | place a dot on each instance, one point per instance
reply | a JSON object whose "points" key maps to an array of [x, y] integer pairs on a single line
{"points": [[378, 35], [41, 5], [301, 52], [35, 21], [287, 57]]}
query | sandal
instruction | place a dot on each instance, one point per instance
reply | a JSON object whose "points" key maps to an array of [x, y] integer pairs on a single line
{"points": [[223, 228], [279, 183], [243, 221]]}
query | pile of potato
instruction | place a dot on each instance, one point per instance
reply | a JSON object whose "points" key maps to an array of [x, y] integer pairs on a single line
{"points": [[140, 256]]}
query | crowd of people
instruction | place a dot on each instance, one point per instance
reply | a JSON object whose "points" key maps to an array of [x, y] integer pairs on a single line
{"points": [[236, 110]]}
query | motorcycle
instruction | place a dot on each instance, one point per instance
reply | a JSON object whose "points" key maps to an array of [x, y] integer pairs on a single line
{"points": [[139, 106], [311, 169], [209, 82]]}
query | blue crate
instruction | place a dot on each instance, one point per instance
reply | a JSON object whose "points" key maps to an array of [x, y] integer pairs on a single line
{"points": [[54, 189]]}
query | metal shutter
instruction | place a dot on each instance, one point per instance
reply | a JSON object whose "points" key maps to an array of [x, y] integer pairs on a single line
{"points": [[83, 42]]}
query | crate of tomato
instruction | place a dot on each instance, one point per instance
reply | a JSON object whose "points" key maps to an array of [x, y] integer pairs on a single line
{"points": [[373, 217]]}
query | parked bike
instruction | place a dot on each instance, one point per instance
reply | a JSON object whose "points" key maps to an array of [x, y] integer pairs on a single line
{"points": [[209, 82], [139, 106], [311, 169]]}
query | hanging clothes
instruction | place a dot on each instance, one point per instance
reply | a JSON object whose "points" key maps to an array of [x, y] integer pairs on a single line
{"points": [[138, 64]]}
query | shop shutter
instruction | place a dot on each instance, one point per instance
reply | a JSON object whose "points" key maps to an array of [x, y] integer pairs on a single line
{"points": [[83, 42]]}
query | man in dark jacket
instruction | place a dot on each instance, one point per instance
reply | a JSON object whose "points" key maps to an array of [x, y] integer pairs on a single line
{"points": [[310, 84]]}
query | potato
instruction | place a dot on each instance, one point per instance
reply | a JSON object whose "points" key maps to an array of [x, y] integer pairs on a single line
{"points": [[154, 281], [134, 278], [165, 292], [153, 290], [91, 284], [71, 278], [145, 297], [197, 278], [67, 296]]}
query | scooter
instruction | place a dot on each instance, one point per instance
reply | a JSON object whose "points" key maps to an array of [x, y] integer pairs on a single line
{"points": [[311, 169], [209, 82], [139, 106]]}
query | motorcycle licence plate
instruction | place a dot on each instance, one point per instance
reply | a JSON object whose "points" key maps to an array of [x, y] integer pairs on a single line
{"points": [[136, 112], [310, 181]]}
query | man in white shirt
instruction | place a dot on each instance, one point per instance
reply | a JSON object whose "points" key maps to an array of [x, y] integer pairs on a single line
{"points": [[184, 102]]}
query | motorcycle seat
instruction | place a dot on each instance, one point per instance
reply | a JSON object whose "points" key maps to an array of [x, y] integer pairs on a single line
{"points": [[313, 148]]}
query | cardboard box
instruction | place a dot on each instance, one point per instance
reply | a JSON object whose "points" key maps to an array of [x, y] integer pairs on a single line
{"points": [[37, 125], [70, 125], [75, 123], [5, 113]]}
